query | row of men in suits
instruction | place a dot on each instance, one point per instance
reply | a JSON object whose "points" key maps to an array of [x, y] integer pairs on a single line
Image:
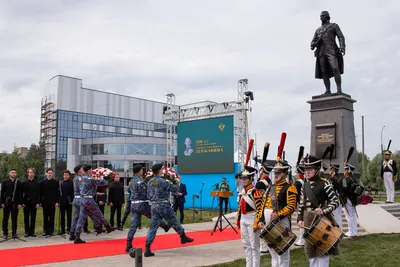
{"points": [[49, 194]]}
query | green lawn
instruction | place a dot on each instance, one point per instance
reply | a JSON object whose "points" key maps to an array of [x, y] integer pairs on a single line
{"points": [[206, 217], [366, 251]]}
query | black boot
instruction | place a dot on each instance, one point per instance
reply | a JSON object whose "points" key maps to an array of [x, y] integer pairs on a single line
{"points": [[185, 239], [128, 245], [78, 239], [166, 227], [148, 252], [110, 228], [71, 236], [99, 230]]}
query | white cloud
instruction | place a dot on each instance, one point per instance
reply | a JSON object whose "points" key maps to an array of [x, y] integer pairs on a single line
{"points": [[193, 49]]}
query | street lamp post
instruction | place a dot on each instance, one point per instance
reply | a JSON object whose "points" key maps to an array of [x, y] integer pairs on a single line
{"points": [[382, 140]]}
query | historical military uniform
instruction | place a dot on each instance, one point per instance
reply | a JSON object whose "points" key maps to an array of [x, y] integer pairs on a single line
{"points": [[337, 183], [352, 193], [388, 174], [250, 204], [317, 192], [158, 190], [87, 187], [281, 199], [262, 184], [299, 184], [139, 206]]}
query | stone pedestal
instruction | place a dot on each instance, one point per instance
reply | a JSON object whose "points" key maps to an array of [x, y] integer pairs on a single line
{"points": [[332, 122]]}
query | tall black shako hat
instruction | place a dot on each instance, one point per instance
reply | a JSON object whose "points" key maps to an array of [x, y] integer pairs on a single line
{"points": [[87, 168], [248, 172], [300, 160], [312, 162], [281, 164], [335, 166], [266, 165]]}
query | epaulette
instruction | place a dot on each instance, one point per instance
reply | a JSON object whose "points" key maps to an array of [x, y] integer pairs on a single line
{"points": [[293, 189], [256, 193]]}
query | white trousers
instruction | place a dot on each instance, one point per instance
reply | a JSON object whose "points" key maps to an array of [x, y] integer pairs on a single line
{"points": [[337, 213], [351, 217], [389, 186], [320, 262], [278, 260], [263, 246], [300, 241], [250, 240]]}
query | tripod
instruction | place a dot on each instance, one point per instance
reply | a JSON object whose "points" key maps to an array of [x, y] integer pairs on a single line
{"points": [[221, 215], [14, 216], [201, 201]]}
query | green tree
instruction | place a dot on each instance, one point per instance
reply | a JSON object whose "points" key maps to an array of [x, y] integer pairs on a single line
{"points": [[374, 171], [363, 173], [35, 159]]}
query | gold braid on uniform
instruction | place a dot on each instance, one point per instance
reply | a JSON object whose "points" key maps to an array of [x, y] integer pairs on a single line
{"points": [[258, 200], [291, 199]]}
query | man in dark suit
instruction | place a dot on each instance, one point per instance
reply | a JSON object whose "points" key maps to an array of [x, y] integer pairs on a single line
{"points": [[66, 196], [49, 195], [180, 199], [31, 201], [116, 200]]}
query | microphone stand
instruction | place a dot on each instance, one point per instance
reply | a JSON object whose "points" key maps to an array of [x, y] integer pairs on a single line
{"points": [[13, 215], [201, 201]]}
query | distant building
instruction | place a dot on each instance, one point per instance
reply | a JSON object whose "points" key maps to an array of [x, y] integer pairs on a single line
{"points": [[86, 126], [22, 151]]}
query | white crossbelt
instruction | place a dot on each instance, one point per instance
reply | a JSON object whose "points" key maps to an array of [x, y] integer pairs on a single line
{"points": [[77, 197], [139, 201], [158, 202], [87, 196]]}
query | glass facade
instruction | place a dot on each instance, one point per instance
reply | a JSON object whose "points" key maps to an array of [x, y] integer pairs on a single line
{"points": [[82, 126]]}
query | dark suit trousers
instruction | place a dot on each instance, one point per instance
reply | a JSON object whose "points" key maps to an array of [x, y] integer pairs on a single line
{"points": [[180, 205], [49, 211], [101, 207], [221, 201], [116, 207], [14, 217], [30, 218], [66, 209]]}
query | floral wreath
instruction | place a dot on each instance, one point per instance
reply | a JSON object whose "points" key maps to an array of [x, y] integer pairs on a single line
{"points": [[103, 173], [166, 173]]}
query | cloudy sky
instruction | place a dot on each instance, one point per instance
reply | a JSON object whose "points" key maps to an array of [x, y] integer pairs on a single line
{"points": [[198, 50]]}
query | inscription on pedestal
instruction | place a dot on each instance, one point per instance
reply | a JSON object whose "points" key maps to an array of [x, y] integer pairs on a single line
{"points": [[325, 136]]}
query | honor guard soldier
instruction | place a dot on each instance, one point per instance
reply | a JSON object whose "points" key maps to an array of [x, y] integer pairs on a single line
{"points": [[127, 208], [139, 205], [11, 202], [87, 187], [300, 180], [337, 183], [250, 205], [280, 203], [317, 195], [388, 175], [158, 191], [352, 200]]}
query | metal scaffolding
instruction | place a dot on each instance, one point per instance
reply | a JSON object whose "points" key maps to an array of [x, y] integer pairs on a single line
{"points": [[48, 129], [209, 109]]}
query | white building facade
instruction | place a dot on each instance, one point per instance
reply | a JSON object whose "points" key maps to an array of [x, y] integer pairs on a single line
{"points": [[86, 126]]}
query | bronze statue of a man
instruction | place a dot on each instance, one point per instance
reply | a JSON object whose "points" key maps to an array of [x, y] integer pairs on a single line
{"points": [[329, 56]]}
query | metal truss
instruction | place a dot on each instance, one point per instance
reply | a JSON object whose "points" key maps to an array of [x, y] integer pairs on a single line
{"points": [[171, 118]]}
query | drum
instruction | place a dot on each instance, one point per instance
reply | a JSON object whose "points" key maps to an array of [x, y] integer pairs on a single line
{"points": [[278, 237], [323, 235]]}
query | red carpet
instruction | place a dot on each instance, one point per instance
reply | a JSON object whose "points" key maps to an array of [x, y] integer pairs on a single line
{"points": [[68, 252]]}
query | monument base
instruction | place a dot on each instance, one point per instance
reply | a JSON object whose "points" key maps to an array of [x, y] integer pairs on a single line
{"points": [[332, 122]]}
